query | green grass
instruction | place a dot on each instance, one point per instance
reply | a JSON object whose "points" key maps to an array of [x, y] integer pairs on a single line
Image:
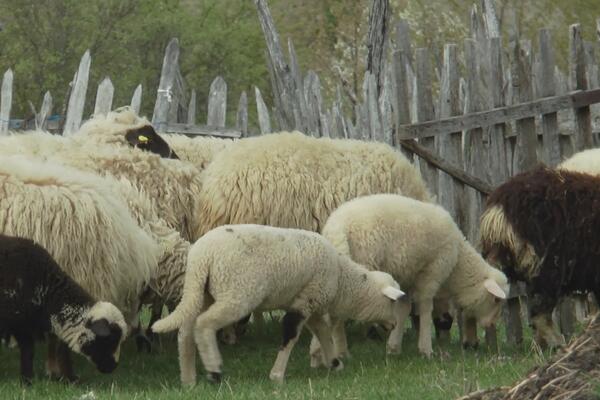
{"points": [[369, 374]]}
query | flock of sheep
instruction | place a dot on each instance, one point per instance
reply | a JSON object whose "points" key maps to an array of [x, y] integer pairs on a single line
{"points": [[97, 224]]}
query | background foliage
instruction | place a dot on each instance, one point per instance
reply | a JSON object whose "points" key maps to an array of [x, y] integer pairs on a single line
{"points": [[43, 41]]}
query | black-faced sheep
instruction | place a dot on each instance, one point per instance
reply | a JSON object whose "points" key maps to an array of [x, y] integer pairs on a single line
{"points": [[542, 227], [254, 267], [38, 298]]}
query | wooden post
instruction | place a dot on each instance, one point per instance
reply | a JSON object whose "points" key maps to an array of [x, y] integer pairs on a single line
{"points": [[425, 112], [6, 101], [164, 96], [578, 81], [314, 102], [77, 98], [104, 97], [217, 103], [523, 92], [514, 324], [370, 96], [498, 162], [566, 309], [242, 115], [264, 121], [302, 119], [377, 39], [547, 87], [191, 116], [45, 110], [136, 99]]}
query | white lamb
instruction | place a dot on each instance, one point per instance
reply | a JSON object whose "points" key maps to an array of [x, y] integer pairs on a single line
{"points": [[422, 248], [254, 267]]}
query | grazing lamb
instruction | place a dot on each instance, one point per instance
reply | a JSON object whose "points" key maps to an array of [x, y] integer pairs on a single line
{"points": [[422, 248], [254, 267], [38, 298], [542, 227]]}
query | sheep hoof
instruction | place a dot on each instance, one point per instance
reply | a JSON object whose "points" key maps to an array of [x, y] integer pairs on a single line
{"points": [[337, 364], [470, 346], [427, 353], [143, 343], [276, 377], [394, 350], [214, 377], [315, 361]]}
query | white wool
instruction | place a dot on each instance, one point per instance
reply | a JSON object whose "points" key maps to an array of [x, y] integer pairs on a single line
{"points": [[86, 228], [199, 150], [291, 180], [587, 161]]}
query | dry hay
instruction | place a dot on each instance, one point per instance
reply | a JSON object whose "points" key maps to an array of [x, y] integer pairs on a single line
{"points": [[573, 373]]}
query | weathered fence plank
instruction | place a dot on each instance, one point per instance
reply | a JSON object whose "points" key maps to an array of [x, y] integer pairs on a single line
{"points": [[77, 97], [547, 87], [498, 167], [104, 97], [241, 121], [164, 97], [264, 121], [377, 40], [6, 99], [217, 102], [45, 111], [578, 81], [136, 99]]}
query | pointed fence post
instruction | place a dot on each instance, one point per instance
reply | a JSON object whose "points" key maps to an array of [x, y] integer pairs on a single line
{"points": [[6, 99], [217, 103], [104, 97], [77, 97], [164, 96], [136, 99]]}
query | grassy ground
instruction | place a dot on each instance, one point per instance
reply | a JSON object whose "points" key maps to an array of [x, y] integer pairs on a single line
{"points": [[368, 374]]}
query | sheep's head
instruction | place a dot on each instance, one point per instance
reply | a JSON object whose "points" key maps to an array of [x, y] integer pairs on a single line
{"points": [[146, 138], [381, 301], [487, 299]]}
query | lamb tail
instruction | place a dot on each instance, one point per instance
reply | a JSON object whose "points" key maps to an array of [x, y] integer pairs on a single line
{"points": [[190, 305]]}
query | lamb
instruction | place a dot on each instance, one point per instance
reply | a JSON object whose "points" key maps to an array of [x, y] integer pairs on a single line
{"points": [[254, 267], [542, 227], [420, 245], [291, 180], [38, 298]]}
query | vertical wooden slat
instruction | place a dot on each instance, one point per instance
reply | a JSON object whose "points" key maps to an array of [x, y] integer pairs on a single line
{"points": [[264, 121], [578, 81], [523, 92], [425, 112], [45, 110], [498, 162], [77, 98], [104, 97], [303, 120], [548, 88], [136, 99], [217, 103], [372, 106], [6, 101], [164, 96], [377, 41], [451, 192], [191, 116], [314, 101], [241, 121]]}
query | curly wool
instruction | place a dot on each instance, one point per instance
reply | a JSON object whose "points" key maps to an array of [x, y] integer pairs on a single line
{"points": [[199, 151], [292, 180], [86, 228]]}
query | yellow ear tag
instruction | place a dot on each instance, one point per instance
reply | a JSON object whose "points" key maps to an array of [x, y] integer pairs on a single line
{"points": [[143, 139]]}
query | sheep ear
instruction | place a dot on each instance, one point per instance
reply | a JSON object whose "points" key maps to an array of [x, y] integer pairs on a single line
{"points": [[495, 289], [100, 327], [392, 292]]}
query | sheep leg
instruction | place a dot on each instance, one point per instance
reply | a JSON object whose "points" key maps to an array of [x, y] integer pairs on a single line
{"points": [[217, 316], [394, 344], [316, 355], [340, 342], [52, 366], [470, 333], [319, 328], [425, 307], [187, 353], [65, 364], [292, 326], [26, 344]]}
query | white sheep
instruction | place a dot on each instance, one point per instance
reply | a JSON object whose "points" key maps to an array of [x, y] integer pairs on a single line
{"points": [[86, 228], [419, 244], [587, 161], [291, 180], [254, 267], [199, 150], [173, 185]]}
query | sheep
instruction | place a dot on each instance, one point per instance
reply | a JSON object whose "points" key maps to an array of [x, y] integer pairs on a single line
{"points": [[541, 227], [148, 172], [38, 298], [291, 180], [420, 245], [199, 151], [255, 267]]}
